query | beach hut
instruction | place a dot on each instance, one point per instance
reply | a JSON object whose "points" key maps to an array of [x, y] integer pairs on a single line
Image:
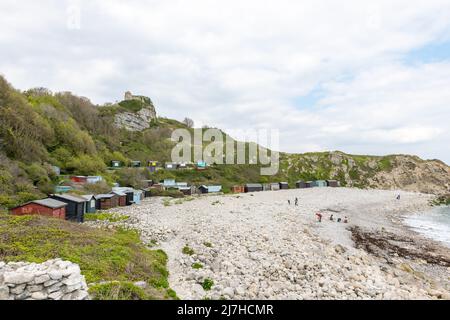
{"points": [[94, 179], [320, 183], [74, 208], [309, 184], [266, 186], [146, 192], [170, 166], [137, 196], [152, 165], [181, 184], [45, 207], [203, 189], [238, 189], [284, 185], [135, 164], [332, 183], [182, 166], [78, 179], [107, 201], [300, 184], [274, 186], [200, 165], [169, 183], [63, 189], [90, 206], [253, 187], [128, 192], [214, 189], [187, 191], [116, 164], [122, 198]]}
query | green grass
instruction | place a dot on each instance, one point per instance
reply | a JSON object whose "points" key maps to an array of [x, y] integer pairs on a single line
{"points": [[207, 244], [111, 217], [188, 251], [132, 105], [197, 266], [207, 284], [117, 290], [103, 255]]}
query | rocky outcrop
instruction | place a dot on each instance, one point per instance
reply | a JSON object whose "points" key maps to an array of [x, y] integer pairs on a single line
{"points": [[51, 280], [413, 174], [139, 111], [405, 172], [135, 121]]}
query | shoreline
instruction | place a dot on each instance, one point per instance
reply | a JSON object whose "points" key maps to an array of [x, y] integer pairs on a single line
{"points": [[262, 248]]}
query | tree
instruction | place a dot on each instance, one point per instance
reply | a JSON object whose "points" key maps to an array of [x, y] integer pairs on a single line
{"points": [[188, 122]]}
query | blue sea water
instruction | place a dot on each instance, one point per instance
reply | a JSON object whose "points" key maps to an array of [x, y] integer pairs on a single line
{"points": [[434, 224]]}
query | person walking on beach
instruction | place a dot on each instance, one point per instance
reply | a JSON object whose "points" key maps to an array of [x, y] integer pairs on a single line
{"points": [[331, 218], [319, 216], [339, 220], [289, 202], [296, 201], [398, 197]]}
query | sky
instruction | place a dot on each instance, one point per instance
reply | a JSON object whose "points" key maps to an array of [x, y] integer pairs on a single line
{"points": [[360, 77]]}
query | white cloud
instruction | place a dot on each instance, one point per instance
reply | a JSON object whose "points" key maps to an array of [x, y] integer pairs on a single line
{"points": [[244, 63]]}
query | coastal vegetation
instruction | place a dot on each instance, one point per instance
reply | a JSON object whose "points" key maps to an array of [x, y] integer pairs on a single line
{"points": [[41, 130], [103, 255]]}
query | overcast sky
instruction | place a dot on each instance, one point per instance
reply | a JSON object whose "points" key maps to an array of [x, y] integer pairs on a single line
{"points": [[330, 75]]}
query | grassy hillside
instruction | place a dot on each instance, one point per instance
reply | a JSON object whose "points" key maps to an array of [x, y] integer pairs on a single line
{"points": [[39, 129], [103, 255]]}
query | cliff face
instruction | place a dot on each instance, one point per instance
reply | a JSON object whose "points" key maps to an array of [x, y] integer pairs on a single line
{"points": [[404, 172], [412, 174], [135, 121], [135, 113]]}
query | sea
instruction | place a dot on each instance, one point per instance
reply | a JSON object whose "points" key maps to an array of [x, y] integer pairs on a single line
{"points": [[433, 224]]}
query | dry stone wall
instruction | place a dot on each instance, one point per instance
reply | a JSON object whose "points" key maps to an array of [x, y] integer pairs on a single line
{"points": [[52, 280]]}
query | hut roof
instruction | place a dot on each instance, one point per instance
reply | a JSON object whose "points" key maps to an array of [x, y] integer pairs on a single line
{"points": [[214, 188], [70, 197], [105, 196], [50, 203], [88, 197], [119, 193], [253, 185]]}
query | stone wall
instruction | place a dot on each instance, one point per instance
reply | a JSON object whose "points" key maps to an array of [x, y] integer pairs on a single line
{"points": [[51, 280]]}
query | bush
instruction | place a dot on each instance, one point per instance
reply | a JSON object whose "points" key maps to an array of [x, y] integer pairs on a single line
{"points": [[117, 290], [86, 165], [207, 284], [188, 251]]}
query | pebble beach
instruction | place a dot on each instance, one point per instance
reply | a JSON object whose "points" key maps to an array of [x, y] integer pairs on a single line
{"points": [[258, 246]]}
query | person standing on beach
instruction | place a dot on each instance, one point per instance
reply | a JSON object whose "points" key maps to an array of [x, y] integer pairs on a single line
{"points": [[398, 197], [296, 201], [345, 220], [289, 202], [331, 218], [319, 216]]}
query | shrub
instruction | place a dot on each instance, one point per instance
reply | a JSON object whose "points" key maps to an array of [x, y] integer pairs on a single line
{"points": [[197, 265], [117, 290], [188, 251], [207, 284]]}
